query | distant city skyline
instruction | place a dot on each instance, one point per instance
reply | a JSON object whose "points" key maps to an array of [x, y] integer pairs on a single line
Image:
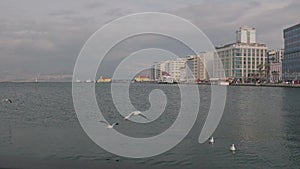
{"points": [[44, 38]]}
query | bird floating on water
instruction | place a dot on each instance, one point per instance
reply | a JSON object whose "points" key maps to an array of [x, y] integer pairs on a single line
{"points": [[7, 100], [211, 140], [135, 113], [232, 148], [109, 126]]}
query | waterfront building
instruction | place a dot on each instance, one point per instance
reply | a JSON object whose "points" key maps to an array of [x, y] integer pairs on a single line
{"points": [[157, 73], [189, 69], [275, 72], [196, 64], [174, 68], [291, 61], [275, 58], [245, 59], [159, 70]]}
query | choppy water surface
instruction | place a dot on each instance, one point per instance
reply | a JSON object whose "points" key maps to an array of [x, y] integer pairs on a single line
{"points": [[40, 129]]}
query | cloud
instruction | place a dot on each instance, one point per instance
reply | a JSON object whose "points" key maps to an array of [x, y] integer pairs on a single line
{"points": [[27, 45], [47, 36], [116, 12], [40, 49], [61, 13], [219, 19], [94, 5]]}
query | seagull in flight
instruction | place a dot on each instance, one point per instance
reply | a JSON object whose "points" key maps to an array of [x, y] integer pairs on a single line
{"points": [[7, 100], [109, 126], [135, 113]]}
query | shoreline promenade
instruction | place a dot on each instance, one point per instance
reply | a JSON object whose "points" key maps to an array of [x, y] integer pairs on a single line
{"points": [[268, 85]]}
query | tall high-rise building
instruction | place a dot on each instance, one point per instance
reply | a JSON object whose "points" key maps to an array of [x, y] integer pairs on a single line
{"points": [[244, 59], [291, 61], [246, 35]]}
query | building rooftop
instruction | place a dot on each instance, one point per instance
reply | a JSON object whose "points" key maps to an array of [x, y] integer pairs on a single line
{"points": [[292, 27], [247, 27], [242, 44]]}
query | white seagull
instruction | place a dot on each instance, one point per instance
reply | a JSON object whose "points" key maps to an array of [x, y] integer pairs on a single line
{"points": [[211, 140], [135, 113], [108, 125], [7, 100], [232, 148]]}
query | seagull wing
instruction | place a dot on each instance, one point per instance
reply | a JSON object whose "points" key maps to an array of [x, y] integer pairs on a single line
{"points": [[115, 124], [144, 116], [101, 121], [129, 115]]}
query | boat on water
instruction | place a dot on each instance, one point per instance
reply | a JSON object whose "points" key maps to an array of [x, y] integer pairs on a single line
{"points": [[219, 81], [167, 80], [223, 83]]}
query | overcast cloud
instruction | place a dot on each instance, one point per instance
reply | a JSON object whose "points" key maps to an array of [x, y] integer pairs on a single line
{"points": [[45, 37]]}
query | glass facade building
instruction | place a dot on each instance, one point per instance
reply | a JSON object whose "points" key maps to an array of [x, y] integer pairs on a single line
{"points": [[244, 59], [291, 61]]}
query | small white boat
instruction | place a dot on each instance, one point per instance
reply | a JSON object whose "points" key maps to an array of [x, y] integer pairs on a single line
{"points": [[224, 83]]}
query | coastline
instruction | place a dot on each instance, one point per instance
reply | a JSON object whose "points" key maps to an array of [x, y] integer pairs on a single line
{"points": [[240, 84], [267, 85]]}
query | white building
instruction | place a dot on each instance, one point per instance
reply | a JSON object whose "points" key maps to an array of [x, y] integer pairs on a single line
{"points": [[275, 56], [275, 72], [174, 68], [197, 65], [244, 59], [246, 35]]}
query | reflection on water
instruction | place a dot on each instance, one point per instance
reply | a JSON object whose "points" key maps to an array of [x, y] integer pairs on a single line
{"points": [[291, 125], [40, 129]]}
